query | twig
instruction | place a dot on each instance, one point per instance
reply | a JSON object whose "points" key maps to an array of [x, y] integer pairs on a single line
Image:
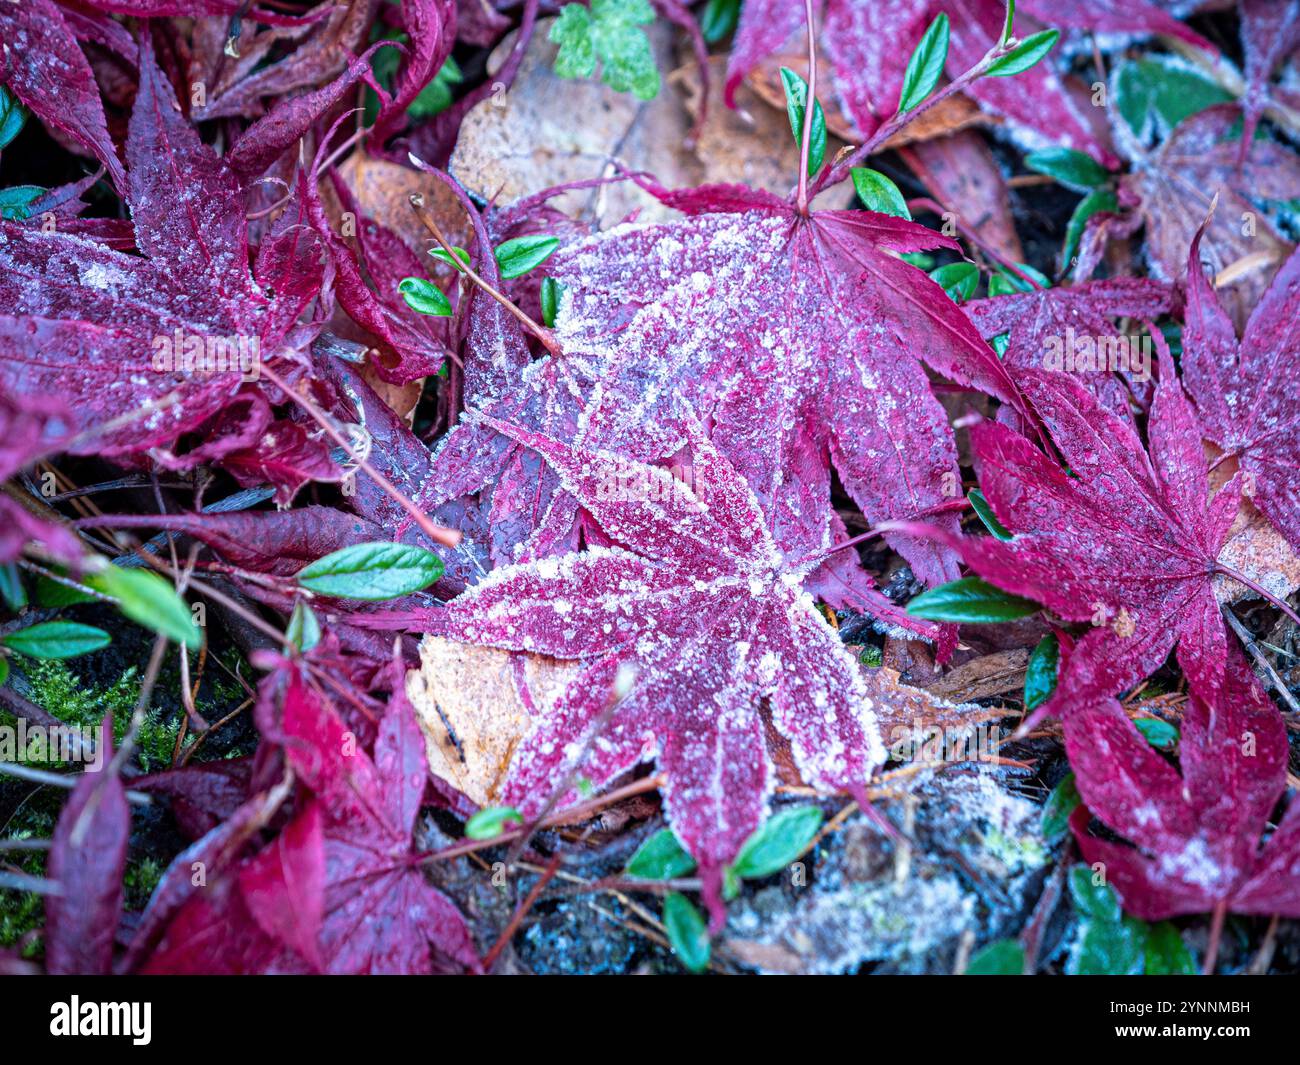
{"points": [[810, 105], [60, 780], [436, 533], [515, 921], [545, 336]]}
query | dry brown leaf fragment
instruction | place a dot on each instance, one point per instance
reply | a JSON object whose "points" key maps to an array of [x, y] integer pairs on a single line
{"points": [[475, 704]]}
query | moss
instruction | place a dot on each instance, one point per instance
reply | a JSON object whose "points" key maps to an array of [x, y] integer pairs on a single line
{"points": [[139, 882], [23, 912]]}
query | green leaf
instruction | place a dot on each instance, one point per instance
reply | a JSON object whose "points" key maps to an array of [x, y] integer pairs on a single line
{"points": [[1108, 950], [1069, 167], [1154, 94], [55, 594], [572, 32], [1002, 957], [372, 571], [985, 513], [878, 193], [149, 600], [660, 857], [303, 631], [719, 19], [16, 201], [424, 296], [11, 587], [1165, 953], [959, 280], [970, 600], [778, 842], [687, 933], [796, 99], [1006, 23], [1027, 53], [550, 294], [516, 257], [1158, 733], [919, 259], [1096, 902], [1107, 943], [1040, 674], [461, 254], [925, 66], [57, 639], [1061, 803], [491, 822], [435, 97], [4, 669], [608, 31], [13, 116], [1004, 281], [1094, 203]]}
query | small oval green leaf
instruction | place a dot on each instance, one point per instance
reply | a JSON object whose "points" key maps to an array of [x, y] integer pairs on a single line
{"points": [[970, 600], [550, 294], [1040, 674], [796, 99], [1002, 957], [424, 296], [461, 258], [372, 571], [491, 822], [687, 933], [57, 639], [149, 600], [516, 257], [11, 587], [661, 857], [878, 193], [13, 116], [1069, 167], [778, 842], [958, 280], [1165, 953], [1158, 733], [1027, 53], [985, 512], [719, 19], [303, 631], [926, 65], [1061, 803]]}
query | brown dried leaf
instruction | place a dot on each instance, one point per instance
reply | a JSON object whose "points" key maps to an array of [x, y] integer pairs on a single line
{"points": [[475, 704]]}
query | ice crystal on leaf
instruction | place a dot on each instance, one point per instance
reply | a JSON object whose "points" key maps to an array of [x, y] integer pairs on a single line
{"points": [[697, 596], [798, 339], [1245, 389], [1126, 538], [1198, 831], [143, 349]]}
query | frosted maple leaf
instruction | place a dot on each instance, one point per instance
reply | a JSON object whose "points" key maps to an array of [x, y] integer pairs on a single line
{"points": [[695, 594], [799, 339]]}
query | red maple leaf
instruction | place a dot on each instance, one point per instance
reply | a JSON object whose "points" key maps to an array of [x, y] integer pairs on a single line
{"points": [[1125, 538], [339, 890], [696, 595], [1245, 389], [1196, 833], [798, 339], [1042, 323], [118, 335]]}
